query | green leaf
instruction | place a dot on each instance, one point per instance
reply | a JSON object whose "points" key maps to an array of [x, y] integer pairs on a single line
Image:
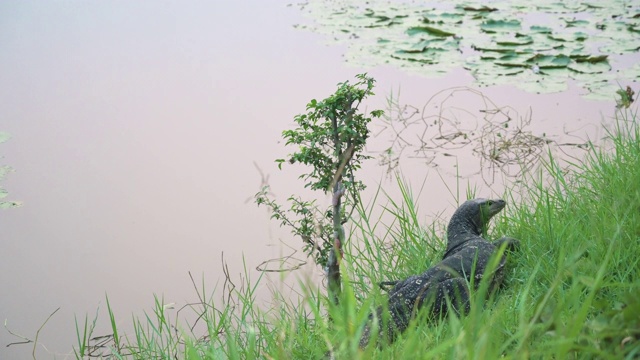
{"points": [[561, 29], [569, 37], [586, 67], [4, 170], [428, 30], [483, 8], [549, 61], [519, 41], [575, 23], [540, 29], [590, 59], [502, 50], [492, 26], [9, 204]]}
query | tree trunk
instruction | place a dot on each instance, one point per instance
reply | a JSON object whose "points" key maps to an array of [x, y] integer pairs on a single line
{"points": [[333, 264]]}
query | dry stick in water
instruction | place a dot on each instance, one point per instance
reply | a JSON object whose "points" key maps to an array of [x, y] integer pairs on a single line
{"points": [[283, 260], [228, 283], [27, 340]]}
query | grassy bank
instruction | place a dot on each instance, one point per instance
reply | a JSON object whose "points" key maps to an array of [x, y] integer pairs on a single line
{"points": [[573, 289]]}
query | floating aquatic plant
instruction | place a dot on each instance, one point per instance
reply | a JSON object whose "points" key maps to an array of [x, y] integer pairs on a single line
{"points": [[537, 46]]}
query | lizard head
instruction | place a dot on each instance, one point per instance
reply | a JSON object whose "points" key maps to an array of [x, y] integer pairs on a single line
{"points": [[487, 208], [472, 217]]}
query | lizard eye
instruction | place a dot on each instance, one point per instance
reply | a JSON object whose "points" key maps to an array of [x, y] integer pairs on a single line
{"points": [[490, 202]]}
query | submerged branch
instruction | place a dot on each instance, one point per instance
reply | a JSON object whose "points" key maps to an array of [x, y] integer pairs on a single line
{"points": [[25, 339]]}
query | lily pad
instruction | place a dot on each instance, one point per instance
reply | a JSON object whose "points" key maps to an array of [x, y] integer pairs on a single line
{"points": [[497, 49], [426, 55], [601, 90], [429, 30], [514, 58], [515, 41], [546, 43], [576, 23], [540, 29], [493, 26], [437, 43], [381, 20], [443, 18], [590, 68], [4, 170], [9, 204], [632, 73], [482, 9], [569, 37], [590, 59], [549, 61], [541, 84]]}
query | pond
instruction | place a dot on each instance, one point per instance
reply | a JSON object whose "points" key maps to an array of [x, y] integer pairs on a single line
{"points": [[139, 133]]}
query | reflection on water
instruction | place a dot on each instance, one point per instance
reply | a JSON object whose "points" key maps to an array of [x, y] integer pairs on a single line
{"points": [[135, 128]]}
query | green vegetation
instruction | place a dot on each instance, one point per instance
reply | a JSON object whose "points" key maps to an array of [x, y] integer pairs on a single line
{"points": [[537, 46], [4, 170], [330, 138], [572, 289]]}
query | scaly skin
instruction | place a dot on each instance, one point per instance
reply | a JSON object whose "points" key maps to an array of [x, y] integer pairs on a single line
{"points": [[464, 263]]}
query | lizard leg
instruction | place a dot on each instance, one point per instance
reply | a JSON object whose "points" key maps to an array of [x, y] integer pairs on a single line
{"points": [[394, 321], [455, 291], [512, 244], [383, 285], [436, 297]]}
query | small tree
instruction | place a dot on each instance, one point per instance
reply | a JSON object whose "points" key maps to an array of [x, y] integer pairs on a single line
{"points": [[330, 138]]}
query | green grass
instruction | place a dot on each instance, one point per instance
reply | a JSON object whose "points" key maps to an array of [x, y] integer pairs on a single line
{"points": [[572, 292]]}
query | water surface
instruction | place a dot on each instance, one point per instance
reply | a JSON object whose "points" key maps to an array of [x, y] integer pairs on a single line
{"points": [[135, 128]]}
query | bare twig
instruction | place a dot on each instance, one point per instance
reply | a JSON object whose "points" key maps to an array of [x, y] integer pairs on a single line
{"points": [[499, 137], [282, 260], [27, 340], [229, 285], [35, 342]]}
